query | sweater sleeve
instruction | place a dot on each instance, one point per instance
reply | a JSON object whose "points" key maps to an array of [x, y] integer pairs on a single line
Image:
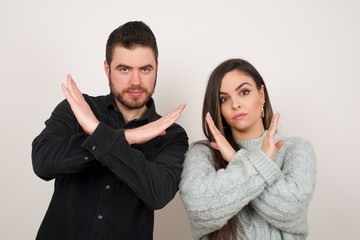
{"points": [[212, 197], [284, 204]]}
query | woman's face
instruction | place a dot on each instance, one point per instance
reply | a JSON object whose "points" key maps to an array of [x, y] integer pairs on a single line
{"points": [[241, 104]]}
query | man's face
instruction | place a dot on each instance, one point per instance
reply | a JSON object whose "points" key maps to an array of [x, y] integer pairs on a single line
{"points": [[132, 76]]}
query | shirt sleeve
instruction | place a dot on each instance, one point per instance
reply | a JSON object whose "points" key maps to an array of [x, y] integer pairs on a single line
{"points": [[284, 204], [156, 181], [57, 149], [212, 197]]}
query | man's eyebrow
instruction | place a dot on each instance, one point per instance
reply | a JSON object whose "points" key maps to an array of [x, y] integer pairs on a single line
{"points": [[122, 66], [142, 67], [147, 66], [238, 87]]}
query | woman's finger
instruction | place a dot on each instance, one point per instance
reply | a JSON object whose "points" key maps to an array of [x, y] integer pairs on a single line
{"points": [[279, 144], [214, 145], [214, 130], [211, 124], [220, 143], [273, 125]]}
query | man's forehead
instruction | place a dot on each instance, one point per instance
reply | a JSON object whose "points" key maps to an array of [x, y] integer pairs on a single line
{"points": [[137, 56]]}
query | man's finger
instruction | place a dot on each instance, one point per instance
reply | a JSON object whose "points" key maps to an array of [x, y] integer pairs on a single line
{"points": [[73, 89]]}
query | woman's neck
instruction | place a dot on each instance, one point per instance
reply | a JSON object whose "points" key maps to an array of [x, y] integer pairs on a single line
{"points": [[248, 134]]}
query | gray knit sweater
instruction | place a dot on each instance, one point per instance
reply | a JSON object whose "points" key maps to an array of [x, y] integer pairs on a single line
{"points": [[270, 198]]}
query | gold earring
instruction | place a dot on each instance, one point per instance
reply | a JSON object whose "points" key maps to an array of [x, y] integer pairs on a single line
{"points": [[262, 111]]}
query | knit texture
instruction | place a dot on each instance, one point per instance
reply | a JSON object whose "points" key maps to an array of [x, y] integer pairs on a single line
{"points": [[270, 198]]}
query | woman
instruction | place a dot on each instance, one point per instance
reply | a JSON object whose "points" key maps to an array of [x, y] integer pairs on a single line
{"points": [[245, 181]]}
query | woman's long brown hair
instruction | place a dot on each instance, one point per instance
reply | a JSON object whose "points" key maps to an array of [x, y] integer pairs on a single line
{"points": [[212, 105]]}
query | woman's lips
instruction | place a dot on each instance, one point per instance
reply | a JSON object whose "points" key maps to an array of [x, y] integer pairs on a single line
{"points": [[239, 116]]}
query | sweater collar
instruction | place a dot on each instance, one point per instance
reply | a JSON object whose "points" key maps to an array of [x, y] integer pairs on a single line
{"points": [[252, 144]]}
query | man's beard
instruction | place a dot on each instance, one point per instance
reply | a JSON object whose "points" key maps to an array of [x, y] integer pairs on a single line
{"points": [[133, 103]]}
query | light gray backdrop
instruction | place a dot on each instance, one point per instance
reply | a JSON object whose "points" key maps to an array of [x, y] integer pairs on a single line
{"points": [[307, 51]]}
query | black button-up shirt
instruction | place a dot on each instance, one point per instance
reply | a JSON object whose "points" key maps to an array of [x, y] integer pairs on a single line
{"points": [[104, 187]]}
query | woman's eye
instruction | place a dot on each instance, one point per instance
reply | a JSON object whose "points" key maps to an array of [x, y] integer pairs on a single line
{"points": [[244, 92], [222, 99]]}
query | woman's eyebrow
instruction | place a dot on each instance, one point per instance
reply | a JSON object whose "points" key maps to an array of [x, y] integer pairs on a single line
{"points": [[238, 87]]}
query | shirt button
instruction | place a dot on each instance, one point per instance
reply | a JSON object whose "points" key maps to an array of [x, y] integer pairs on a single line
{"points": [[93, 148], [86, 158], [107, 187], [100, 217]]}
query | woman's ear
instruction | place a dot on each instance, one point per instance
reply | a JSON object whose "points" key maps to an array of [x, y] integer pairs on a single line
{"points": [[262, 93]]}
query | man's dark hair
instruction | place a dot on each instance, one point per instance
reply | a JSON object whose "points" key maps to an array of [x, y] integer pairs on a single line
{"points": [[129, 36]]}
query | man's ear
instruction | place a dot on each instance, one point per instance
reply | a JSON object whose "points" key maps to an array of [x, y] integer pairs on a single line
{"points": [[106, 68]]}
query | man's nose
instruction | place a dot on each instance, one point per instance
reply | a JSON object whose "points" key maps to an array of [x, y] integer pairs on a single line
{"points": [[136, 78]]}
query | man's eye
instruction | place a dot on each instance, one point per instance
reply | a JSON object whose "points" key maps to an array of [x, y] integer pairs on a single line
{"points": [[125, 70], [145, 70]]}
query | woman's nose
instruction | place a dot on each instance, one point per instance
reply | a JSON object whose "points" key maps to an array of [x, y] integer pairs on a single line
{"points": [[236, 105]]}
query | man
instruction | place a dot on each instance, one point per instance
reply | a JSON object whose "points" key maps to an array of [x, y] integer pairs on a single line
{"points": [[113, 158]]}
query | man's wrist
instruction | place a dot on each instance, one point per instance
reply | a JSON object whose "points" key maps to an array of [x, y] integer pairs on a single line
{"points": [[127, 134], [93, 128]]}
